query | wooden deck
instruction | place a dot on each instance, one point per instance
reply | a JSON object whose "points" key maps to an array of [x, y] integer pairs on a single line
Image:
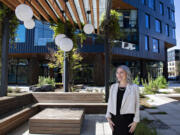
{"points": [[93, 124]]}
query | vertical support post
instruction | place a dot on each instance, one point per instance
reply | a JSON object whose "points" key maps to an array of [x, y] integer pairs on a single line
{"points": [[106, 45], [4, 58], [165, 65]]}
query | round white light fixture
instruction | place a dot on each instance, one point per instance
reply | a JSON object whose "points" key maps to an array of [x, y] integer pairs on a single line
{"points": [[29, 24], [58, 38], [88, 28], [66, 44], [23, 12]]}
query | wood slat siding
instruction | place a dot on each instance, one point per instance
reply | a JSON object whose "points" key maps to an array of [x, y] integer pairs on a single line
{"points": [[9, 104], [15, 110], [70, 97], [89, 108], [57, 121], [11, 122], [29, 47]]}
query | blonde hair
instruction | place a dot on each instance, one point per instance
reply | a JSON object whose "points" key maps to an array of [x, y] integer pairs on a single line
{"points": [[128, 72]]}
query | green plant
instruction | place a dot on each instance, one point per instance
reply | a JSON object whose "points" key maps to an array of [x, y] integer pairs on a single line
{"points": [[143, 129], [136, 80], [177, 90], [149, 87], [161, 82], [57, 58], [153, 85], [45, 80]]}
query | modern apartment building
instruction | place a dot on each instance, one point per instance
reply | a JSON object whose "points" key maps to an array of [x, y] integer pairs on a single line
{"points": [[174, 64], [148, 30]]}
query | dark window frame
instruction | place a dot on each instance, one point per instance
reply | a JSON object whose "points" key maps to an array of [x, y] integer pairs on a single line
{"points": [[146, 40]]}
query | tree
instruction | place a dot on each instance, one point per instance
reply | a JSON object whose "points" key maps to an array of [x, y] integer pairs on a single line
{"points": [[74, 58], [114, 30]]}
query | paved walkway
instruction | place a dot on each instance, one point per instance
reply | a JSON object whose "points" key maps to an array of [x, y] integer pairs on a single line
{"points": [[168, 105]]}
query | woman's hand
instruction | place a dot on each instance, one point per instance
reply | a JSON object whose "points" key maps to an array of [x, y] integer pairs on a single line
{"points": [[111, 123], [133, 127]]}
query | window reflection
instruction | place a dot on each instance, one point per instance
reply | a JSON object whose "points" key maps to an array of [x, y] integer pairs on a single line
{"points": [[43, 34]]}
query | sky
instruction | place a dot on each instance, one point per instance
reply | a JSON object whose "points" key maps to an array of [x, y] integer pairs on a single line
{"points": [[177, 20]]}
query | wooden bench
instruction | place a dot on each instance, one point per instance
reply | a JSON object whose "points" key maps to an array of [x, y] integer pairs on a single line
{"points": [[16, 110], [57, 121]]}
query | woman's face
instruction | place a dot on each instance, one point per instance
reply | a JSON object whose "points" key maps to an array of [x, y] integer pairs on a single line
{"points": [[121, 75]]}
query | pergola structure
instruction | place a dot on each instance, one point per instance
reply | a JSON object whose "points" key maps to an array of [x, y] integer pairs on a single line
{"points": [[75, 11]]}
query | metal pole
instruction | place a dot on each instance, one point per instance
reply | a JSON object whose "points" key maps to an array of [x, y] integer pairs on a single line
{"points": [[65, 73], [106, 44], [5, 47]]}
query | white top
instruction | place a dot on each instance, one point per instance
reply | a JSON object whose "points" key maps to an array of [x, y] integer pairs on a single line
{"points": [[130, 101]]}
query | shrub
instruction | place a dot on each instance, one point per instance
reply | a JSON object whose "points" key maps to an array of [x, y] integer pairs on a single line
{"points": [[161, 82], [46, 80], [153, 85]]}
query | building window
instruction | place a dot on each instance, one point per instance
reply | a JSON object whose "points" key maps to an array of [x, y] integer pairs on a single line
{"points": [[161, 8], [167, 30], [43, 34], [151, 4], [146, 43], [155, 45], [20, 34], [172, 2], [158, 25], [172, 16], [147, 17], [169, 13], [173, 33], [143, 2]]}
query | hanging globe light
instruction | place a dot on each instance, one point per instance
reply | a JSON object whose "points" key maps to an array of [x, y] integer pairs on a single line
{"points": [[58, 39], [29, 24], [66, 44], [23, 12], [88, 28]]}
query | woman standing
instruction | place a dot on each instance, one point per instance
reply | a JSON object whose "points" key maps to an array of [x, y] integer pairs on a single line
{"points": [[123, 103]]}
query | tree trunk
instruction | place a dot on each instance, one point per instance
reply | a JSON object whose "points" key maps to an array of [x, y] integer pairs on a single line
{"points": [[0, 51]]}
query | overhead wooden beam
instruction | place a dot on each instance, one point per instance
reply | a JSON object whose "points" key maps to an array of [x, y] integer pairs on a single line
{"points": [[92, 15], [9, 5], [83, 11], [40, 10], [72, 4], [66, 10], [36, 14], [48, 10], [97, 6], [58, 11]]}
